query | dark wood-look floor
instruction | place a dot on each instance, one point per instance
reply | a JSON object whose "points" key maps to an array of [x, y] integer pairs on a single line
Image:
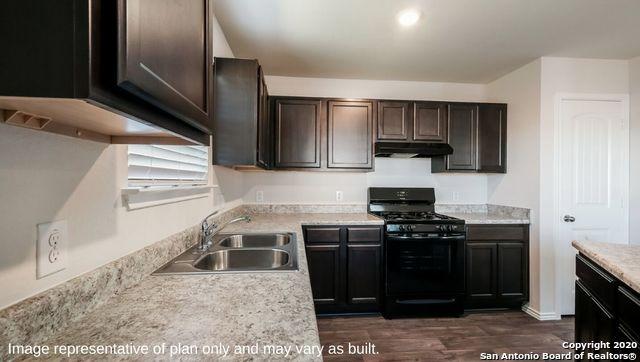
{"points": [[458, 339]]}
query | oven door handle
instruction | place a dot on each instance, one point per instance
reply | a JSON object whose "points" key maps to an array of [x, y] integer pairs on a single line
{"points": [[417, 238]]}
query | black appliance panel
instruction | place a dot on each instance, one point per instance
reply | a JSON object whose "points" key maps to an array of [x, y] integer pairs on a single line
{"points": [[419, 264], [401, 194]]}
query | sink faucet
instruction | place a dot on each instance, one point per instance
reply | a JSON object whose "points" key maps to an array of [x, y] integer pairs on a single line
{"points": [[207, 232]]}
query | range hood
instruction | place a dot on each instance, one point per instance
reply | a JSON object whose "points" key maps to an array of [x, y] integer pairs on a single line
{"points": [[411, 149]]}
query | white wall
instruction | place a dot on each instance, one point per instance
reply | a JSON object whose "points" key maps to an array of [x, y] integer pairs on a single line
{"points": [[321, 187], [520, 186], [45, 177], [634, 206], [530, 92], [565, 75]]}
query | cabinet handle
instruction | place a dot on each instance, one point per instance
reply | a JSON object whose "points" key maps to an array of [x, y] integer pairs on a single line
{"points": [[569, 218]]}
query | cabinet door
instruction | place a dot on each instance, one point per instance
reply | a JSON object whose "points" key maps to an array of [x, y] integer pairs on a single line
{"points": [[429, 122], [164, 55], [512, 271], [592, 321], [363, 273], [350, 135], [481, 272], [324, 273], [462, 126], [298, 125], [492, 138], [627, 340], [264, 130], [393, 120]]}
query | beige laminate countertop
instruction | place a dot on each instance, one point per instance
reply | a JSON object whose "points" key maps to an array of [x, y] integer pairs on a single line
{"points": [[621, 260], [482, 218], [217, 309]]}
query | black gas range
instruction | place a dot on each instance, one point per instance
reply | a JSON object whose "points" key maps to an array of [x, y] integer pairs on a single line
{"points": [[424, 253]]}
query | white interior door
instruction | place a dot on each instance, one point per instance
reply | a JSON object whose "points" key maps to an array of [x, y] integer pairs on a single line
{"points": [[594, 186]]}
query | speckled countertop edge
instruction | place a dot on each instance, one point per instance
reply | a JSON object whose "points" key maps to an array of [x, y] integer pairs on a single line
{"points": [[232, 309], [472, 218], [621, 260]]}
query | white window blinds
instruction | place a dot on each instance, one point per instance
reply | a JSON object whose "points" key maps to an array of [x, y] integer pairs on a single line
{"points": [[167, 165]]}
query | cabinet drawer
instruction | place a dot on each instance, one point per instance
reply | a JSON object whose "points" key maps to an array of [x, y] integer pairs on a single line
{"points": [[599, 283], [497, 232], [322, 235], [628, 309], [363, 235]]}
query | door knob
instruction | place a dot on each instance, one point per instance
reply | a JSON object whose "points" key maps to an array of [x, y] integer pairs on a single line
{"points": [[569, 218]]}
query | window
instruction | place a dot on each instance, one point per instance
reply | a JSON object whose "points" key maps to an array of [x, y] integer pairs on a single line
{"points": [[151, 165]]}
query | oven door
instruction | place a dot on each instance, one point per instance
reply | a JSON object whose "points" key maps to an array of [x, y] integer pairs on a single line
{"points": [[423, 264]]}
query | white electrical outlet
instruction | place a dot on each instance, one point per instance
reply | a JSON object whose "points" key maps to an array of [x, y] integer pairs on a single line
{"points": [[456, 196], [259, 196], [51, 250], [339, 196]]}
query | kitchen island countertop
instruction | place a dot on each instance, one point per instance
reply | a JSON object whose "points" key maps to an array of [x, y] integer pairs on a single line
{"points": [[621, 260]]}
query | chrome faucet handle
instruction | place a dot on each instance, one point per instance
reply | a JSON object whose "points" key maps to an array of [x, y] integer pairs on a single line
{"points": [[205, 224], [205, 228]]}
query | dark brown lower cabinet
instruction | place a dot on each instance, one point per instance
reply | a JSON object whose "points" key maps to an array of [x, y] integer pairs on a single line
{"points": [[606, 310], [497, 266], [512, 264], [324, 272], [481, 272], [593, 322], [345, 268], [363, 273]]}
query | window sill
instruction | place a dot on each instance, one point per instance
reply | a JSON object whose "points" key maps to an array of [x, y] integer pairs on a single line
{"points": [[135, 198]]}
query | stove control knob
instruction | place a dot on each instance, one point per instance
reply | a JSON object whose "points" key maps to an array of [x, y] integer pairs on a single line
{"points": [[401, 227], [439, 227], [409, 227]]}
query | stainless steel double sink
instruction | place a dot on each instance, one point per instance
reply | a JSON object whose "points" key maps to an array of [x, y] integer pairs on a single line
{"points": [[237, 253]]}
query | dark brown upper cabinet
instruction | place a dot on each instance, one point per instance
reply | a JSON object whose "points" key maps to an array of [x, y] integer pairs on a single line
{"points": [[462, 125], [393, 120], [127, 71], [405, 121], [492, 138], [477, 134], [298, 127], [322, 134], [350, 134], [242, 131], [164, 60], [429, 122], [264, 153]]}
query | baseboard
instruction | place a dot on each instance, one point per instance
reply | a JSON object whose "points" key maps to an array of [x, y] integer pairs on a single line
{"points": [[550, 316]]}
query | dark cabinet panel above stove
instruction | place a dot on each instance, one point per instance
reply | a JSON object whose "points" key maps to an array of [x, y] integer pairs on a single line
{"points": [[407, 121], [429, 122], [393, 119]]}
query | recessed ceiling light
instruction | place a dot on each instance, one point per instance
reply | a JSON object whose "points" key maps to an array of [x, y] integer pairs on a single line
{"points": [[408, 17]]}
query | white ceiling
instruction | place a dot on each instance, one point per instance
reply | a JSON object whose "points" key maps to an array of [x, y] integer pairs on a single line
{"points": [[471, 41]]}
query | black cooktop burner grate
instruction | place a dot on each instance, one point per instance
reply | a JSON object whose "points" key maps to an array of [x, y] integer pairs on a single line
{"points": [[414, 216]]}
